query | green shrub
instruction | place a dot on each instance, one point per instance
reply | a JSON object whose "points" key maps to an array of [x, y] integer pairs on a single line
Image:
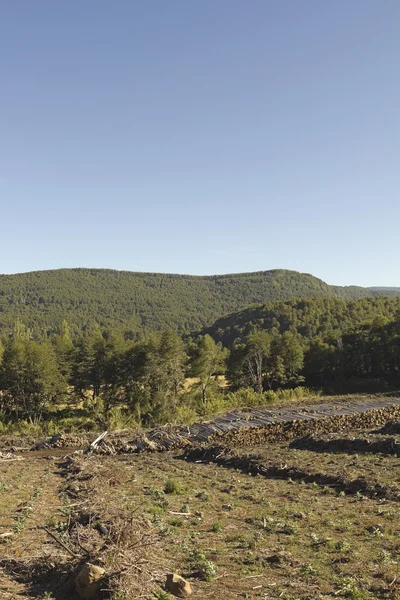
{"points": [[161, 595], [204, 569], [217, 527], [120, 418], [172, 486], [185, 415]]}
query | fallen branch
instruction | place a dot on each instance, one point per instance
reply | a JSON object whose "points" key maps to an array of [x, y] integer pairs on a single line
{"points": [[96, 442], [61, 543], [181, 514], [9, 456]]}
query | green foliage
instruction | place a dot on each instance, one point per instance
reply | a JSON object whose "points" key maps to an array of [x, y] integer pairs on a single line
{"points": [[217, 527], [348, 588], [338, 345], [316, 319], [208, 361], [254, 365], [265, 361], [120, 418], [288, 359], [164, 373], [162, 595], [139, 303], [104, 379], [185, 415], [30, 378], [204, 569], [172, 486]]}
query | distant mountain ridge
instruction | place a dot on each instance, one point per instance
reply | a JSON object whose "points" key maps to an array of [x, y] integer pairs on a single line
{"points": [[139, 303], [384, 289]]}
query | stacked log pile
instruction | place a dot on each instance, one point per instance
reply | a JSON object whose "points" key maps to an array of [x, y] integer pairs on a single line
{"points": [[288, 427], [246, 428], [59, 440], [254, 427], [55, 441], [157, 440]]}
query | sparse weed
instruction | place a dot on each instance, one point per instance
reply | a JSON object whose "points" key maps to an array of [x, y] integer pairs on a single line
{"points": [[217, 527], [348, 588], [384, 558], [161, 595], [342, 546], [173, 486], [308, 570], [204, 569], [120, 596], [155, 492], [176, 522]]}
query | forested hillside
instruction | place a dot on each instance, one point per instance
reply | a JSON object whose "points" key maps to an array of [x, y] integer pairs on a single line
{"points": [[138, 303], [326, 318], [323, 343]]}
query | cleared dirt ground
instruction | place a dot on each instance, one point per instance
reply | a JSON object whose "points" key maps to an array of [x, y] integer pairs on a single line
{"points": [[285, 532]]}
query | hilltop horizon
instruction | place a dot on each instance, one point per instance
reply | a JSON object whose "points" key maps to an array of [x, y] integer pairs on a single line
{"points": [[142, 302], [201, 275]]}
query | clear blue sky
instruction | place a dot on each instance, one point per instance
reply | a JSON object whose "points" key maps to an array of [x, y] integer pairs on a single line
{"points": [[201, 136]]}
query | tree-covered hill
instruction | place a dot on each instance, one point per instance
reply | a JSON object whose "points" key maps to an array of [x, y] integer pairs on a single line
{"points": [[142, 302], [385, 289], [325, 318]]}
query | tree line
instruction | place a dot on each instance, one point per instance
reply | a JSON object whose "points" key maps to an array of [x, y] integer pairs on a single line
{"points": [[103, 369], [164, 377], [325, 318]]}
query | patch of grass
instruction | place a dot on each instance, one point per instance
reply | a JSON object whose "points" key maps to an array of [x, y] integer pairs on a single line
{"points": [[203, 568], [173, 486], [348, 588], [162, 595], [217, 527], [176, 522], [342, 546]]}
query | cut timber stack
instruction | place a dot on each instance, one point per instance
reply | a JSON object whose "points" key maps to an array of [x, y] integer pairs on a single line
{"points": [[60, 440], [290, 426], [254, 427]]}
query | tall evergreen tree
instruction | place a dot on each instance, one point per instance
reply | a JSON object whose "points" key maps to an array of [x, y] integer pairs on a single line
{"points": [[209, 360], [30, 379]]}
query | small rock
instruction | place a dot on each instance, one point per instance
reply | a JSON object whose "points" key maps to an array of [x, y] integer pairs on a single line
{"points": [[148, 523], [102, 529], [178, 586], [88, 581]]}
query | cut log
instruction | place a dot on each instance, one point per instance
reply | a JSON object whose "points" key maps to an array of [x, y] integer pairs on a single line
{"points": [[96, 442], [9, 456]]}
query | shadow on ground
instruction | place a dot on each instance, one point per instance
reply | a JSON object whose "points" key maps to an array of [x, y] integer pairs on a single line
{"points": [[42, 576]]}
